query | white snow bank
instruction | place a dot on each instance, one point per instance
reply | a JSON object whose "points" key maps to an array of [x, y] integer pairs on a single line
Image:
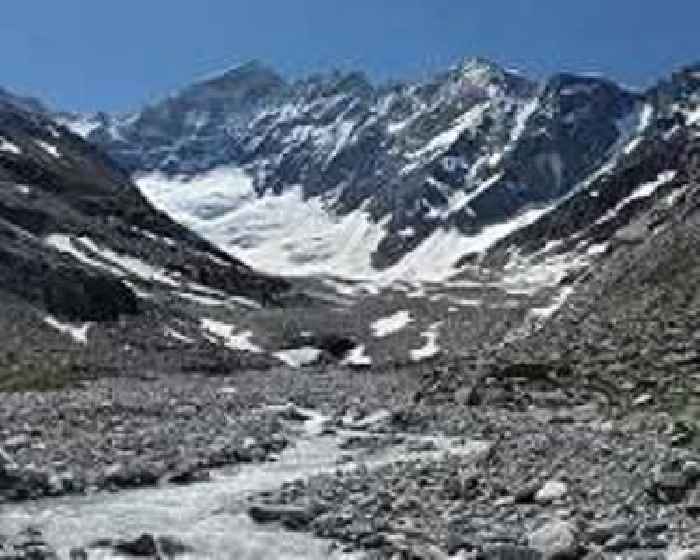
{"points": [[133, 265], [358, 357], [175, 335], [541, 314], [78, 333], [434, 259], [82, 126], [282, 234], [391, 324], [48, 148], [430, 348], [298, 357], [115, 263], [7, 146], [226, 334], [291, 236]]}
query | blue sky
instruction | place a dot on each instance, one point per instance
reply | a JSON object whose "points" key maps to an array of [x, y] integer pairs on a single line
{"points": [[90, 54]]}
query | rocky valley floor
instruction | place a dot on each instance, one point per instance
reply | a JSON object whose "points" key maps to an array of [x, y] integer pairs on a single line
{"points": [[510, 465]]}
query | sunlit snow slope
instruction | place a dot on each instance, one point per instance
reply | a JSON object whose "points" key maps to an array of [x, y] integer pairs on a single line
{"points": [[285, 234]]}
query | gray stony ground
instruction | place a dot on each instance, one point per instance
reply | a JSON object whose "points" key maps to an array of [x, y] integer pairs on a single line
{"points": [[562, 478], [560, 472]]}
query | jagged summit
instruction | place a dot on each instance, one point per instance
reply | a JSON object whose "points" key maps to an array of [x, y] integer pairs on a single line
{"points": [[25, 103], [254, 77]]}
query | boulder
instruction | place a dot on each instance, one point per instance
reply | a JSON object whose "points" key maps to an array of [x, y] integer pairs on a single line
{"points": [[292, 517], [144, 546], [552, 490], [600, 533], [555, 541]]}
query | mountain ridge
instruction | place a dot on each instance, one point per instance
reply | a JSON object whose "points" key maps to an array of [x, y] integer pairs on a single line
{"points": [[472, 148]]}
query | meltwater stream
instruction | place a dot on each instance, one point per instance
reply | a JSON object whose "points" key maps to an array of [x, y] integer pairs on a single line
{"points": [[210, 517]]}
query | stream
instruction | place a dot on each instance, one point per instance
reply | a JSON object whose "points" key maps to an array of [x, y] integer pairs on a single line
{"points": [[210, 517]]}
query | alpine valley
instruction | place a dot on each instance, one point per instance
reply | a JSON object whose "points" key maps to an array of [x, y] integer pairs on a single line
{"points": [[450, 318]]}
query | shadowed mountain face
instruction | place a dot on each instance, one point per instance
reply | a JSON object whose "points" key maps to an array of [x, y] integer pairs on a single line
{"points": [[81, 250], [60, 193]]}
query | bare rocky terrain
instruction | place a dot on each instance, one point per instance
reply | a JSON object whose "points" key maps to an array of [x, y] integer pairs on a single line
{"points": [[160, 398]]}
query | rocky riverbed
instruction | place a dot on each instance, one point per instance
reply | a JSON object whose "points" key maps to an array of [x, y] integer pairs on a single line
{"points": [[407, 465], [568, 473]]}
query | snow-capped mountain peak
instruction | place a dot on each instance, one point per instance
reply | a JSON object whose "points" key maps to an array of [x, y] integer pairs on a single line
{"points": [[333, 175]]}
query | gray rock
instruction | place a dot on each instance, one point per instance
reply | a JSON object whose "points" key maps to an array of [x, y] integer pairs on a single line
{"points": [[78, 554], [6, 460], [684, 554], [291, 516], [144, 546], [691, 470], [171, 547], [600, 533], [552, 490], [668, 487], [555, 541], [621, 542], [654, 527], [693, 505], [17, 442], [526, 493]]}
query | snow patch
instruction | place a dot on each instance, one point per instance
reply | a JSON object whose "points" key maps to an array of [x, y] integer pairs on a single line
{"points": [[175, 335], [357, 357], [133, 265], [392, 324], [139, 293], [465, 302], [430, 348], [202, 300], [597, 249], [226, 334], [526, 276], [288, 235], [282, 234], [521, 120], [444, 140], [407, 232], [541, 314], [642, 191], [298, 357], [7, 146], [693, 117], [65, 244], [79, 333], [48, 148], [82, 126], [434, 259]]}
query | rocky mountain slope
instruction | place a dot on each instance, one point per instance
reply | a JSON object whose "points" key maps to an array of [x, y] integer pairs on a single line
{"points": [[513, 265], [392, 182], [83, 256], [410, 209]]}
